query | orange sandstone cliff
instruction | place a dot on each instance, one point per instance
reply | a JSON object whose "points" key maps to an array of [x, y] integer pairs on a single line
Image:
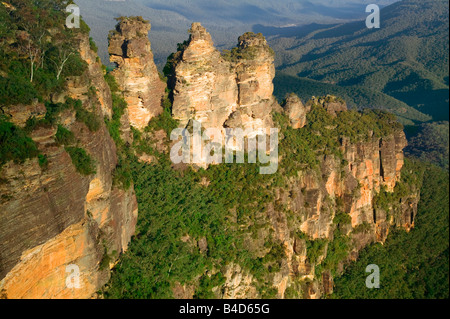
{"points": [[223, 90], [136, 72], [54, 218]]}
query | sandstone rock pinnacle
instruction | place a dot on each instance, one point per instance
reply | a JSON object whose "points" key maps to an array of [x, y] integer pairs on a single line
{"points": [[230, 89], [136, 71], [296, 111]]}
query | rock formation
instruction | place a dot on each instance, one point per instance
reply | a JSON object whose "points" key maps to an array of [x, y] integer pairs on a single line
{"points": [[53, 219], [230, 90], [331, 103], [136, 72], [56, 218], [315, 198], [296, 111], [234, 89]]}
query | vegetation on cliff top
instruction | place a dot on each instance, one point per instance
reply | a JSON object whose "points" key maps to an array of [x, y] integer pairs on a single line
{"points": [[323, 135], [243, 52], [37, 51]]}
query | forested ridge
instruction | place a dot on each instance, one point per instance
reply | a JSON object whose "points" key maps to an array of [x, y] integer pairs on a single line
{"points": [[402, 64]]}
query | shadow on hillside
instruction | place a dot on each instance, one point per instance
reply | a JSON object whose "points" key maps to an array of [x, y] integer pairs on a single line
{"points": [[288, 32], [428, 101]]}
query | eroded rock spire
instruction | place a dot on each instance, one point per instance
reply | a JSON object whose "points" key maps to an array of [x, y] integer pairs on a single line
{"points": [[223, 90], [136, 71]]}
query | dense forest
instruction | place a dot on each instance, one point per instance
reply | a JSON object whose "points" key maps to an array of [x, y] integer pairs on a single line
{"points": [[195, 205], [429, 142]]}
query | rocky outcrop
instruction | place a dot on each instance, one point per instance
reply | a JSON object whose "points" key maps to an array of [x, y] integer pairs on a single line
{"points": [[205, 88], [373, 164], [315, 206], [19, 114], [136, 72], [313, 199], [234, 89], [296, 111], [95, 79], [223, 90], [238, 283], [331, 103], [53, 219]]}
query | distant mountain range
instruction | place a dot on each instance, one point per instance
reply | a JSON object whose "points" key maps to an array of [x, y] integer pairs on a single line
{"points": [[224, 19], [267, 12], [403, 66]]}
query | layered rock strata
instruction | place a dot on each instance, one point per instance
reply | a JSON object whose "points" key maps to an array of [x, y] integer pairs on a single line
{"points": [[136, 72], [314, 198], [54, 219], [56, 224], [223, 90]]}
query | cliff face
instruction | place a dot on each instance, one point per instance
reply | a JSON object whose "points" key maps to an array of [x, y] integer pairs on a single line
{"points": [[304, 217], [373, 164], [55, 217], [233, 90], [337, 200], [136, 72]]}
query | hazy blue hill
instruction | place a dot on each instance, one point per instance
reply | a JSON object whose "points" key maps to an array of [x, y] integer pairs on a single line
{"points": [[407, 58], [224, 19], [269, 12]]}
